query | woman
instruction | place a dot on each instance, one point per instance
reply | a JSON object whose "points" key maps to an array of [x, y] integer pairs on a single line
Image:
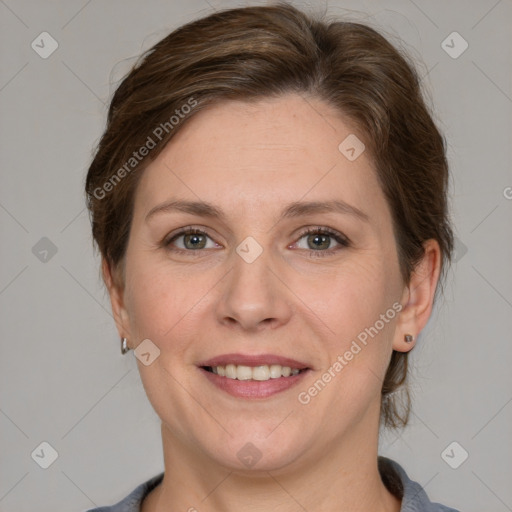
{"points": [[269, 200]]}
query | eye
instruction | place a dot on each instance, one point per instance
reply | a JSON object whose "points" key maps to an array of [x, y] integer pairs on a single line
{"points": [[192, 239], [319, 241]]}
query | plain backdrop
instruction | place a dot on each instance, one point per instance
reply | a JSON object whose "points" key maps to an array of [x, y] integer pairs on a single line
{"points": [[63, 380]]}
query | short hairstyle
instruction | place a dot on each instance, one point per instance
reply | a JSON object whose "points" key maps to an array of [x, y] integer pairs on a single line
{"points": [[253, 53]]}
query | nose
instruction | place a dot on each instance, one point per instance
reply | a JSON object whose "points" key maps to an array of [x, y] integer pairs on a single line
{"points": [[254, 296]]}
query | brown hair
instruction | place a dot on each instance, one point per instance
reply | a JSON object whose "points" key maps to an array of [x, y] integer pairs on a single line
{"points": [[256, 52]]}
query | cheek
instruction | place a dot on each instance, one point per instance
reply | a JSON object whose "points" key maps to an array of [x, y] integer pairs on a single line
{"points": [[161, 307], [349, 298], [355, 302], [159, 300]]}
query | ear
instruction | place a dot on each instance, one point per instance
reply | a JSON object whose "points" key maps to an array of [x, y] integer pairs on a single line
{"points": [[115, 289], [418, 297]]}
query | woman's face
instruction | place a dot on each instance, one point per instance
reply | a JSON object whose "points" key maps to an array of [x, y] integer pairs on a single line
{"points": [[257, 290]]}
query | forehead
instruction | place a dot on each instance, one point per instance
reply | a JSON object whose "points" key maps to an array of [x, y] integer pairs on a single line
{"points": [[261, 154]]}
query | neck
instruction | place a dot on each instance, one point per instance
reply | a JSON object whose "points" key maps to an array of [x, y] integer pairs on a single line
{"points": [[343, 478]]}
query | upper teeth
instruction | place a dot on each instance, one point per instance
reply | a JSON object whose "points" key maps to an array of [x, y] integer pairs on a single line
{"points": [[264, 372]]}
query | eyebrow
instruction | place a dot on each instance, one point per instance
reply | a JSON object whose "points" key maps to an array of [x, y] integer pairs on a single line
{"points": [[292, 210]]}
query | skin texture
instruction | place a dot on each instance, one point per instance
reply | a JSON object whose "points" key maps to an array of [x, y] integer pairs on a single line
{"points": [[251, 160]]}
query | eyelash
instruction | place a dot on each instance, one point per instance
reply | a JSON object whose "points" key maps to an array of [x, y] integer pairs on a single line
{"points": [[342, 240]]}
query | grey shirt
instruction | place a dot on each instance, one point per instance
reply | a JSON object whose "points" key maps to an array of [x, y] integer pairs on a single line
{"points": [[393, 475]]}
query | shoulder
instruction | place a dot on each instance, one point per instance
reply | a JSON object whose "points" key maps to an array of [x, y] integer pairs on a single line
{"points": [[414, 497], [133, 501]]}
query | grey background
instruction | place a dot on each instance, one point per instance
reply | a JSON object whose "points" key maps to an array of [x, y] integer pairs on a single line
{"points": [[62, 377]]}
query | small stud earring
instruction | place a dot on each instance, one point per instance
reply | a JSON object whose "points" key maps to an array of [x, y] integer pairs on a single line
{"points": [[408, 338], [124, 346]]}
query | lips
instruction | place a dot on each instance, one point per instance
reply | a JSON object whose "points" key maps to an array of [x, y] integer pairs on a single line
{"points": [[253, 376], [253, 360]]}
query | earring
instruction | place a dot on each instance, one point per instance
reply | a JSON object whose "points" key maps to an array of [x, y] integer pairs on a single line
{"points": [[124, 346], [408, 338]]}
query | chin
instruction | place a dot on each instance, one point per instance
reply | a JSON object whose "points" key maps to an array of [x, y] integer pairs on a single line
{"points": [[257, 451]]}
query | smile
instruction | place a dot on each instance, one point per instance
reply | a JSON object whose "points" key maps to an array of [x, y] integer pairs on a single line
{"points": [[253, 376], [259, 373]]}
